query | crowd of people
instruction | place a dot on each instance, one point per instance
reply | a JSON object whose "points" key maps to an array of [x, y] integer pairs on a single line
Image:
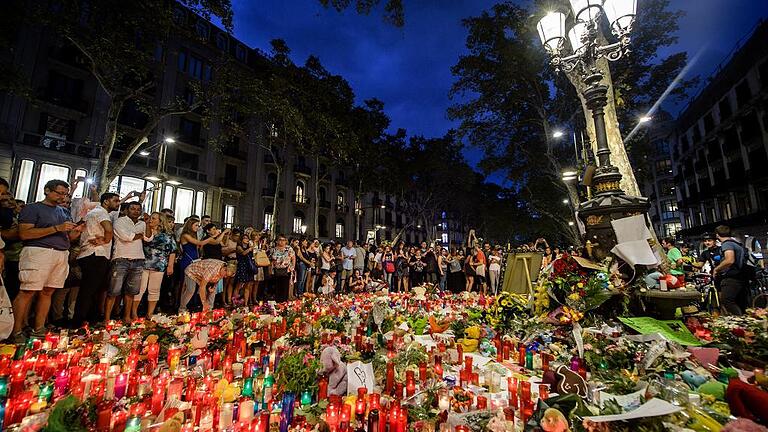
{"points": [[69, 262]]}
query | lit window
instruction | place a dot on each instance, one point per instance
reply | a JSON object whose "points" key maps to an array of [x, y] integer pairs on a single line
{"points": [[444, 238], [229, 215], [81, 186], [339, 229], [184, 199], [130, 184], [298, 222], [268, 218], [24, 182], [50, 172], [200, 203], [300, 191], [340, 198], [168, 199]]}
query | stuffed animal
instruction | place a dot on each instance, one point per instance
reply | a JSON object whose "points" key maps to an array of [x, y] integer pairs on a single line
{"points": [[554, 421], [693, 379], [335, 369]]}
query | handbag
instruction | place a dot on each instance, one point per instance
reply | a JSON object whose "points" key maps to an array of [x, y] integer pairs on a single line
{"points": [[389, 267], [480, 270], [261, 258], [280, 271]]}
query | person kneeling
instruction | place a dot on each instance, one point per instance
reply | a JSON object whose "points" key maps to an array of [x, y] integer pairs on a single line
{"points": [[206, 274]]}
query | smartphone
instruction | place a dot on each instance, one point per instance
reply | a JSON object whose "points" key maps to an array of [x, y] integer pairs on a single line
{"points": [[82, 222]]}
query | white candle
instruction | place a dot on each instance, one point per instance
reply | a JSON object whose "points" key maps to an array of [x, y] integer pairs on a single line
{"points": [[225, 416], [246, 410]]}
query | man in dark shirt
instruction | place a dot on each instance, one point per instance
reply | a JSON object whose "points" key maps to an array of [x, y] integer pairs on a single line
{"points": [[711, 255], [733, 286], [46, 229]]}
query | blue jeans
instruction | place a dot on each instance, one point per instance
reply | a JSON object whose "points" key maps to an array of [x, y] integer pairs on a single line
{"points": [[301, 278], [126, 277], [443, 280]]}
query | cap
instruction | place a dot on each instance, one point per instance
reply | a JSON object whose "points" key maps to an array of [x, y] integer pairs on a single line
{"points": [[709, 236]]}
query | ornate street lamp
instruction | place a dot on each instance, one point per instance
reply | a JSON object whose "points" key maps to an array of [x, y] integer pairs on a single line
{"points": [[609, 202]]}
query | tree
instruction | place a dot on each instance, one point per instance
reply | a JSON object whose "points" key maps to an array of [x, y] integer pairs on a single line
{"points": [[125, 46], [507, 108], [510, 101], [393, 9]]}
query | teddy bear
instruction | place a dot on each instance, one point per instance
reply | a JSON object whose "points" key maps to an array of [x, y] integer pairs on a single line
{"points": [[335, 369]]}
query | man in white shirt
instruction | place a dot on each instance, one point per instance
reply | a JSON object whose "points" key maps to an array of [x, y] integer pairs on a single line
{"points": [[348, 254], [95, 253], [127, 260]]}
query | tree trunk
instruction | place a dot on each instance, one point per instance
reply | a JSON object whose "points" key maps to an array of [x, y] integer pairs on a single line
{"points": [[275, 199], [102, 179], [619, 157]]}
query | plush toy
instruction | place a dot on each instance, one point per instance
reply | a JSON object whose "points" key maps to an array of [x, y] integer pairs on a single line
{"points": [[335, 369], [554, 421], [693, 379], [713, 388], [173, 424]]}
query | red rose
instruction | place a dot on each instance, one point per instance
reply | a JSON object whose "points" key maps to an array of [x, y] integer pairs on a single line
{"points": [[738, 332]]}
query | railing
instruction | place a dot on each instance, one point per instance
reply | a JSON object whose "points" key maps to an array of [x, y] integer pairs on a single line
{"points": [[73, 103], [52, 143], [325, 204], [233, 184], [301, 199], [341, 182], [235, 152], [187, 173], [342, 208]]}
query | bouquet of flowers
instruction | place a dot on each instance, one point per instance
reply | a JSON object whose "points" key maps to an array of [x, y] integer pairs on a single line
{"points": [[505, 311], [576, 289]]}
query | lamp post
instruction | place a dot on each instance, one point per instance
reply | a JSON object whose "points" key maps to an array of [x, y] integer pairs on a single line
{"points": [[160, 177], [609, 201]]}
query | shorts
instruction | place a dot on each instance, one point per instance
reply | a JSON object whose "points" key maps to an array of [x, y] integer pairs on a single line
{"points": [[125, 277], [42, 267], [345, 274]]}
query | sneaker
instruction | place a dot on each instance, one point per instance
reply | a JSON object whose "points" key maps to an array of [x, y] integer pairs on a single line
{"points": [[18, 338], [39, 333]]}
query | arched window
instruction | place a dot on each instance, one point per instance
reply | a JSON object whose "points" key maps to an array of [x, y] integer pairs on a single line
{"points": [[298, 223], [340, 198], [322, 225], [321, 194], [340, 228], [300, 194], [268, 218], [271, 182]]}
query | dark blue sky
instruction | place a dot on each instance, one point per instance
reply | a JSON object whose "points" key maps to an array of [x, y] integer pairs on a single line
{"points": [[409, 68]]}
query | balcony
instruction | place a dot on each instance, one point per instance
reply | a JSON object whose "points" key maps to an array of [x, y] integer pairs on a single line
{"points": [[342, 182], [234, 184], [325, 204], [53, 143], [187, 173], [301, 199], [234, 151], [74, 103], [342, 208], [270, 193], [302, 169]]}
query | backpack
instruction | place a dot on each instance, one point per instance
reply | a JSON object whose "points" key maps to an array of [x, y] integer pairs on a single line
{"points": [[748, 265]]}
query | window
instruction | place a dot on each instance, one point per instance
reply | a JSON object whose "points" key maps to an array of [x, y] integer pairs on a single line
{"points": [[24, 179], [189, 131], [725, 210], [184, 199], [268, 218], [743, 93], [444, 238], [300, 196], [229, 216], [80, 187], [725, 108], [179, 15], [271, 182], [340, 228], [195, 67], [222, 41], [668, 209], [124, 184], [240, 53], [321, 194], [207, 72], [202, 29], [50, 172], [298, 223], [181, 64], [200, 203], [322, 226], [340, 198], [663, 167], [670, 229], [168, 199]]}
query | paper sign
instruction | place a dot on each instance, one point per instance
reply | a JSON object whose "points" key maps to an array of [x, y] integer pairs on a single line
{"points": [[628, 402], [630, 229], [705, 356], [588, 264], [360, 374], [673, 330], [653, 408], [636, 252]]}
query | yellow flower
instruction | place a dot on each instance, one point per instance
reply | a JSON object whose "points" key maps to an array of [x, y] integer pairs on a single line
{"points": [[580, 285], [574, 296]]}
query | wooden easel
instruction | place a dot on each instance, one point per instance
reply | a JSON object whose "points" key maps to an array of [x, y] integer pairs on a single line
{"points": [[522, 269]]}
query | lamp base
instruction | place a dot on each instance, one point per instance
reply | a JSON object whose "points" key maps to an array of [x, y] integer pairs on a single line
{"points": [[597, 214]]}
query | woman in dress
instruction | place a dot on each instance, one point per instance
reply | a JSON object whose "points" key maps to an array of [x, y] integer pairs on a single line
{"points": [[160, 254], [313, 272], [469, 272], [259, 242], [494, 270], [283, 262], [388, 266], [403, 271], [417, 267], [189, 254], [246, 269], [303, 266], [229, 250]]}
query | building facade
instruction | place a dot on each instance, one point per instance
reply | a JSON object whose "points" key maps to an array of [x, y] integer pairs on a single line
{"points": [[720, 158], [56, 134], [659, 185]]}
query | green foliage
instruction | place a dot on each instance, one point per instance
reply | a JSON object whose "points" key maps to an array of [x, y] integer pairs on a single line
{"points": [[297, 372], [393, 9], [67, 415]]}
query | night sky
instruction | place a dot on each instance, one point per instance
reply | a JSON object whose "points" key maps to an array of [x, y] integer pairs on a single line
{"points": [[409, 68]]}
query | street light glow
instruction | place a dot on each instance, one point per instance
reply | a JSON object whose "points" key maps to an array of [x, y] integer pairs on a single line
{"points": [[143, 153], [645, 119], [570, 223], [565, 201], [169, 140], [569, 173], [557, 134], [152, 178], [174, 182], [383, 206]]}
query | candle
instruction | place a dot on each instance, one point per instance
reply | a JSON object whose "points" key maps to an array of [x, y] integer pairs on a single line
{"points": [[482, 402], [121, 383], [521, 355], [390, 377], [423, 372], [444, 402], [104, 416], [60, 384], [439, 367], [306, 398], [346, 414], [226, 414], [460, 349], [174, 356], [410, 384], [153, 352], [543, 391], [245, 410], [175, 388]]}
